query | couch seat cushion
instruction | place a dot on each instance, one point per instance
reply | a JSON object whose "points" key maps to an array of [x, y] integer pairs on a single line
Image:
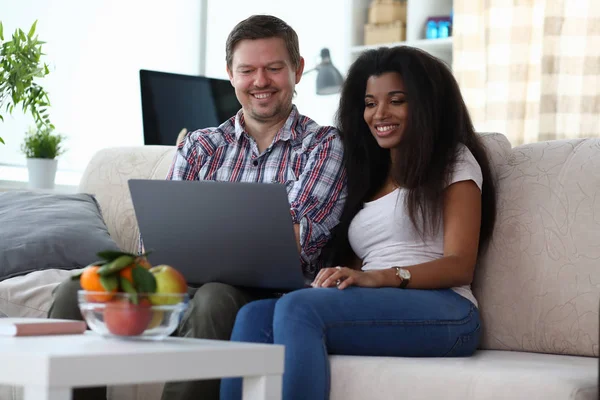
{"points": [[30, 296], [489, 374]]}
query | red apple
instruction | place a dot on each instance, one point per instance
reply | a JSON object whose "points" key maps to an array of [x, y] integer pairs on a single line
{"points": [[127, 319], [168, 281]]}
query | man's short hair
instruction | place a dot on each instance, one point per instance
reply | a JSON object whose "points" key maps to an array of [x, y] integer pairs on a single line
{"points": [[263, 27]]}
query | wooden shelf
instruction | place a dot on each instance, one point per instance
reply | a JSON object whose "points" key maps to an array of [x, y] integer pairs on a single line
{"points": [[431, 45]]}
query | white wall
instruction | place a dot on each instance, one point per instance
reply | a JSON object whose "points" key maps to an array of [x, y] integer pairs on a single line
{"points": [[319, 23], [95, 49]]}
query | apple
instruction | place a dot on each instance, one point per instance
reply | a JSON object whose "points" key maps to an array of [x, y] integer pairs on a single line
{"points": [[168, 281], [127, 319], [157, 319]]}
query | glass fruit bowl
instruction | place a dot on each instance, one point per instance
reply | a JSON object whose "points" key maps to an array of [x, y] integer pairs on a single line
{"points": [[139, 316]]}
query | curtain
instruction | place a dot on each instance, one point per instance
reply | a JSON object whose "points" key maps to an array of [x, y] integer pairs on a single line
{"points": [[530, 69]]}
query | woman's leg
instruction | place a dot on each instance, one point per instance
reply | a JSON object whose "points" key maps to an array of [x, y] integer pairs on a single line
{"points": [[357, 321], [254, 323]]}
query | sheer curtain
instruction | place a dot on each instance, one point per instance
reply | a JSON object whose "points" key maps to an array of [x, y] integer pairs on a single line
{"points": [[530, 68]]}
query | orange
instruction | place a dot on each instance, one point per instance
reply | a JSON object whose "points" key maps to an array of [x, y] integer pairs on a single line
{"points": [[128, 270], [126, 273], [143, 262], [90, 281]]}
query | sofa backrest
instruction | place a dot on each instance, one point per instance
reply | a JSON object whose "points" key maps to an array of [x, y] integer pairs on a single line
{"points": [[106, 177], [538, 281]]}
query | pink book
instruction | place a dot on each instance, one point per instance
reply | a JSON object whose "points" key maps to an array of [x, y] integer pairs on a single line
{"points": [[40, 326]]}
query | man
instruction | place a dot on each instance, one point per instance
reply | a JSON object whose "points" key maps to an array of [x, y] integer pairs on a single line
{"points": [[267, 141]]}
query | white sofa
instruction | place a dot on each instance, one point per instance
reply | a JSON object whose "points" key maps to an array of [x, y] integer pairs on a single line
{"points": [[538, 284]]}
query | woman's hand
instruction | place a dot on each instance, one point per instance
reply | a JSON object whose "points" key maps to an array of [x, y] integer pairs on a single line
{"points": [[343, 277]]}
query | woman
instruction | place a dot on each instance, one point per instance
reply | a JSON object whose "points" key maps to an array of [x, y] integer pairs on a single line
{"points": [[420, 205]]}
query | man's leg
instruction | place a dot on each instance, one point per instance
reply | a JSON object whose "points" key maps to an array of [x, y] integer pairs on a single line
{"points": [[210, 315], [65, 306], [64, 303]]}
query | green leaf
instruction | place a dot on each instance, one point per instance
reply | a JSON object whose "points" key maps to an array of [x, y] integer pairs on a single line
{"points": [[144, 280], [146, 253], [1, 141], [32, 30], [19, 64], [98, 263], [115, 265], [40, 142], [110, 255], [128, 288], [109, 282], [77, 276]]}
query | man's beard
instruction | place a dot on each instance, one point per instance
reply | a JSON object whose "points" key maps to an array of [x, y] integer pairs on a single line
{"points": [[267, 115]]}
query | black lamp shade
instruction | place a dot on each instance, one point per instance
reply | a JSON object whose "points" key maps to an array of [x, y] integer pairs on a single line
{"points": [[329, 79]]}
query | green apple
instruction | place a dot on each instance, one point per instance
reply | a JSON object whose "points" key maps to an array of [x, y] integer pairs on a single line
{"points": [[168, 281]]}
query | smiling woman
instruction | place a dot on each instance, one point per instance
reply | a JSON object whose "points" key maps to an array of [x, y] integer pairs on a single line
{"points": [[386, 108], [420, 202]]}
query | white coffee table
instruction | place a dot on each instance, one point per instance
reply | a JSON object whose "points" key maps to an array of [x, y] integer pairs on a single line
{"points": [[48, 367]]}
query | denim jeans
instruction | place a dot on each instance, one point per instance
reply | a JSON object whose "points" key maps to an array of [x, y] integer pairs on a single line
{"points": [[312, 323]]}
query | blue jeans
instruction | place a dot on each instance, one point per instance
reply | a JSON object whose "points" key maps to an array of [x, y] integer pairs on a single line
{"points": [[312, 323]]}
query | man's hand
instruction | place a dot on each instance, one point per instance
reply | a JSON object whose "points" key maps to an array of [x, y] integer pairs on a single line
{"points": [[343, 277]]}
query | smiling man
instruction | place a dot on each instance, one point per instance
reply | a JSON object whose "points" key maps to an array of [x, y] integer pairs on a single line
{"points": [[267, 141]]}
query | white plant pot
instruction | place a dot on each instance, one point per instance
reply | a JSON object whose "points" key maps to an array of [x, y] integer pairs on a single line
{"points": [[42, 172]]}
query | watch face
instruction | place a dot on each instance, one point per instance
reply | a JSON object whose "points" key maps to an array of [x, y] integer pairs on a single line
{"points": [[404, 273]]}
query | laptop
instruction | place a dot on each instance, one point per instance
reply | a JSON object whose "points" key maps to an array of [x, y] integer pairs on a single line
{"points": [[231, 232]]}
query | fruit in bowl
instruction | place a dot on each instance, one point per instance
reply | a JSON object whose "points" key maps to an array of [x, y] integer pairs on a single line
{"points": [[168, 280], [124, 318], [132, 316], [125, 296]]}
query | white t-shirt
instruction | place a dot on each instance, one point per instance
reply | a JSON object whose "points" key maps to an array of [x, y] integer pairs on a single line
{"points": [[383, 236]]}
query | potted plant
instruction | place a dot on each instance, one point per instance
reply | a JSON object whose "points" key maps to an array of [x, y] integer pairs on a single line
{"points": [[41, 147], [20, 65]]}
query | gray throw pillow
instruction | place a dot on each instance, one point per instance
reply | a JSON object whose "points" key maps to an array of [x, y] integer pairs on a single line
{"points": [[41, 231]]}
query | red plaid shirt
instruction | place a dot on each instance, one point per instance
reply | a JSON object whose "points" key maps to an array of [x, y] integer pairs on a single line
{"points": [[304, 156]]}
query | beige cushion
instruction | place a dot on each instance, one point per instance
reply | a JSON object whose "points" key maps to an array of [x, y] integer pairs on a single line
{"points": [[537, 284], [498, 149], [31, 295], [488, 375], [106, 176]]}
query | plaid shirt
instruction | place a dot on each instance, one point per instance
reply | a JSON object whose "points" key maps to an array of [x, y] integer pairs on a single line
{"points": [[304, 156]]}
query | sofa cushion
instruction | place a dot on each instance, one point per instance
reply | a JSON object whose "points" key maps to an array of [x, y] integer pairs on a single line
{"points": [[537, 283], [488, 375], [30, 296], [40, 231]]}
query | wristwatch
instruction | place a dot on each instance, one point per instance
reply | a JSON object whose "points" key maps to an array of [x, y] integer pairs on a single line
{"points": [[404, 276]]}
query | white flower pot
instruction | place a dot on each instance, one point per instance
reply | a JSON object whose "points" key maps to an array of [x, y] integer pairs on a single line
{"points": [[42, 172]]}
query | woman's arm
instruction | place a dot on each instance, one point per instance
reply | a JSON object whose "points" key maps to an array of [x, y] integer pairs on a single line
{"points": [[462, 221]]}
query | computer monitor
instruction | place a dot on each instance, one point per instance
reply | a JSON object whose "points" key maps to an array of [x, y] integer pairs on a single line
{"points": [[172, 102]]}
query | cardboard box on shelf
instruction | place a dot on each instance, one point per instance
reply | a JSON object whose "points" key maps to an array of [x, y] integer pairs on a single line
{"points": [[385, 33], [387, 11]]}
